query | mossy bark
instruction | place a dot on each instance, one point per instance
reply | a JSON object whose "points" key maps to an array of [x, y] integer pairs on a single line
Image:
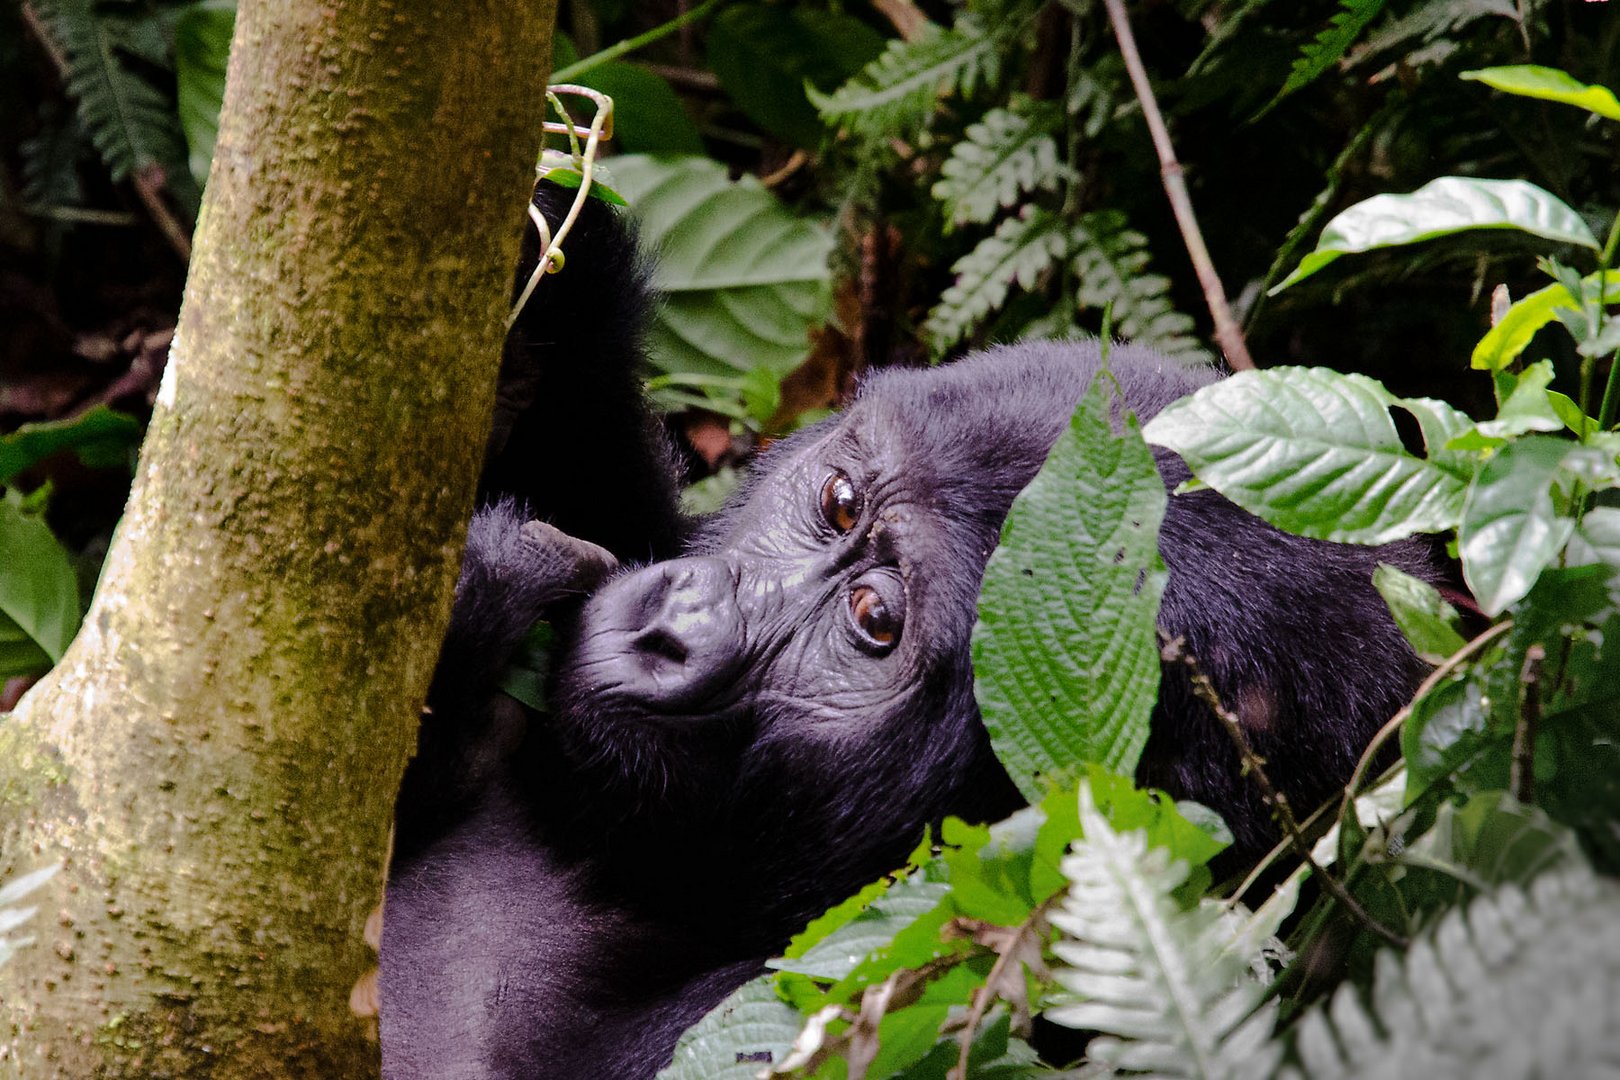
{"points": [[215, 760]]}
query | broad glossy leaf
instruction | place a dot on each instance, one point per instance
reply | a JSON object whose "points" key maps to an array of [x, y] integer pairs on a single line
{"points": [[1316, 453], [101, 437], [1422, 614], [1549, 84], [1493, 839], [38, 593], [741, 1037], [743, 279], [1440, 207], [1065, 653], [1511, 528], [1527, 408], [1513, 332]]}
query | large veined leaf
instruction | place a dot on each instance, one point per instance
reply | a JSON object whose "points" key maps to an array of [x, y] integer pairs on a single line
{"points": [[741, 1037], [1065, 653], [1511, 528], [1316, 453], [1168, 989], [1503, 343], [39, 596], [743, 278], [1549, 84], [1440, 207], [1521, 983]]}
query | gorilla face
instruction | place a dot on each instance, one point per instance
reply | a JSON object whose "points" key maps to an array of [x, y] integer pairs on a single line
{"points": [[812, 654]]}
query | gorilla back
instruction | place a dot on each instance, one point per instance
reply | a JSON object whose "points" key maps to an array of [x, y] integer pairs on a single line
{"points": [[742, 736]]}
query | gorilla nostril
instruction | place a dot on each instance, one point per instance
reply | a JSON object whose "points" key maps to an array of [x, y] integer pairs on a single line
{"points": [[660, 642]]}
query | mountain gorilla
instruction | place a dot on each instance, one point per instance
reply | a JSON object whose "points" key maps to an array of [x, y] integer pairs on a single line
{"points": [[742, 736]]}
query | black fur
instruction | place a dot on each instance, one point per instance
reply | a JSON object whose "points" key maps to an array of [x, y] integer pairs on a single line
{"points": [[726, 755]]}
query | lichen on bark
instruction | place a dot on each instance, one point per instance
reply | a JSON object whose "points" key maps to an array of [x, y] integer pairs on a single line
{"points": [[214, 760]]}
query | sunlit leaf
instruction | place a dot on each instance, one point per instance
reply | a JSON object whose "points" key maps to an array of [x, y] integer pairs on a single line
{"points": [[1503, 343], [1316, 453], [1448, 205], [1549, 84]]}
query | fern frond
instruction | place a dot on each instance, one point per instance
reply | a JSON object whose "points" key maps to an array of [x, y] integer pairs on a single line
{"points": [[1109, 261], [1019, 251], [1431, 20], [1514, 985], [1165, 987], [131, 122], [896, 92], [1331, 44], [1006, 155]]}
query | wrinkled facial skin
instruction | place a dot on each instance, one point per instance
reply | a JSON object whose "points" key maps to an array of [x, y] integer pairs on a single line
{"points": [[809, 662]]}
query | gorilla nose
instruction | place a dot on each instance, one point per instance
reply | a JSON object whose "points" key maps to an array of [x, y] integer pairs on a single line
{"points": [[679, 626]]}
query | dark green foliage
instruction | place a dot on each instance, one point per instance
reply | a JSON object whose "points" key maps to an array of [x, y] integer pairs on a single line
{"points": [[115, 54]]}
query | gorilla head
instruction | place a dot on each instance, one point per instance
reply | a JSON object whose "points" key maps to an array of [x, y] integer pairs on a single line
{"points": [[742, 736], [798, 690]]}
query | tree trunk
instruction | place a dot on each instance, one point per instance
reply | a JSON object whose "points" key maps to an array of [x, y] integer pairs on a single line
{"points": [[215, 760]]}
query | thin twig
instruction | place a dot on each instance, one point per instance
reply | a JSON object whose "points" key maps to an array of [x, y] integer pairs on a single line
{"points": [[1174, 652], [1033, 927], [630, 45], [1522, 772], [1227, 332], [148, 183]]}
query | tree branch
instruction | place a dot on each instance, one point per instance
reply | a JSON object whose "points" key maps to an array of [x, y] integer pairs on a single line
{"points": [[1227, 332]]}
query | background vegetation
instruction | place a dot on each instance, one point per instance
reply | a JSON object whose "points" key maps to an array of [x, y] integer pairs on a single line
{"points": [[841, 186]]}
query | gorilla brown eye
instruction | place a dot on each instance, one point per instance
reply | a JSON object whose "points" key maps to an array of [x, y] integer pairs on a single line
{"points": [[876, 621], [840, 502]]}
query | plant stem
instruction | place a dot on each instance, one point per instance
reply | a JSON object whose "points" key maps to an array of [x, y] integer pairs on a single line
{"points": [[1227, 332], [1522, 772], [1252, 764], [630, 45]]}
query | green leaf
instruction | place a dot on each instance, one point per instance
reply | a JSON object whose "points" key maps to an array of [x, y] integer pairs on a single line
{"points": [[1066, 652], [1422, 614], [1006, 155], [129, 117], [1315, 453], [1502, 987], [763, 54], [1549, 84], [101, 437], [1331, 44], [848, 942], [1512, 333], [742, 1036], [1110, 264], [1167, 988], [1596, 539], [39, 595], [1511, 527], [898, 90], [743, 279], [1493, 839], [202, 45], [1448, 205], [1020, 250], [648, 117]]}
